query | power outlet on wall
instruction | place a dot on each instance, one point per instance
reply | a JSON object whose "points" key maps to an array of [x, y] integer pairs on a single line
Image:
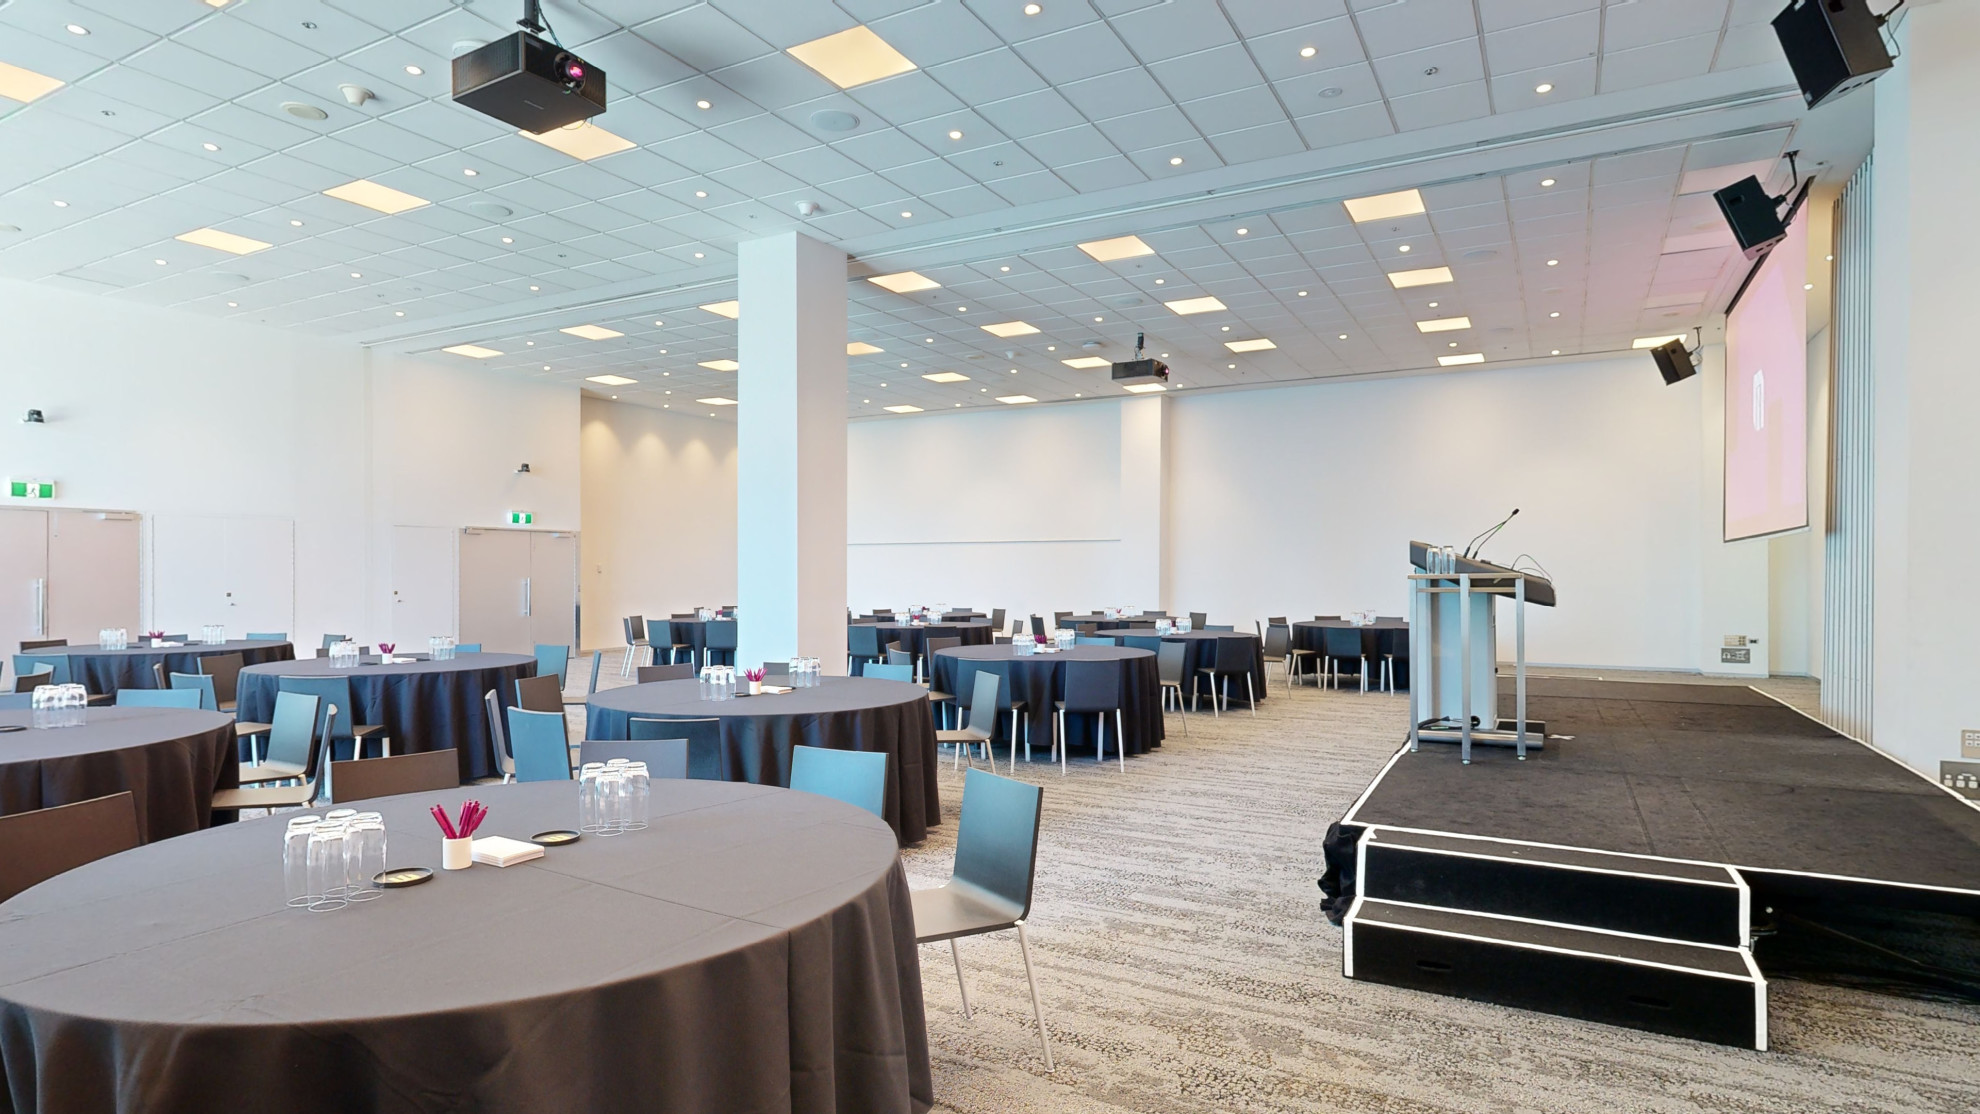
{"points": [[1741, 656], [1969, 743]]}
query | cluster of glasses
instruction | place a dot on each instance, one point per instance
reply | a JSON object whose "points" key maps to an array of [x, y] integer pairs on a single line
{"points": [[614, 797], [113, 639], [58, 705], [344, 655], [213, 634], [440, 648], [332, 860], [1064, 639], [718, 682], [1442, 559], [1170, 626], [805, 673]]}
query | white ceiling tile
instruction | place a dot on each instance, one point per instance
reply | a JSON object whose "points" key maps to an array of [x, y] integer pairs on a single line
{"points": [[1401, 26], [1101, 174], [905, 98], [1333, 41], [1625, 26], [931, 34], [1675, 60], [1437, 67], [1175, 28], [1148, 130], [1085, 51], [704, 38], [1031, 114], [1115, 94], [1497, 15], [1263, 142], [310, 24], [785, 23], [1222, 69], [1549, 43], [1347, 125]]}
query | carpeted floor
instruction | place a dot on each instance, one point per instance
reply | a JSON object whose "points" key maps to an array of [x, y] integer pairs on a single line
{"points": [[1186, 967]]}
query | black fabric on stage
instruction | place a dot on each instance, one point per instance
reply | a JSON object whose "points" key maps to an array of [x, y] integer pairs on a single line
{"points": [[753, 950], [1039, 679], [423, 705], [758, 732], [106, 671], [171, 759]]}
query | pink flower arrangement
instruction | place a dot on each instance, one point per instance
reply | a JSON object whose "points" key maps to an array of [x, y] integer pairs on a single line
{"points": [[1039, 638], [755, 675], [386, 648]]}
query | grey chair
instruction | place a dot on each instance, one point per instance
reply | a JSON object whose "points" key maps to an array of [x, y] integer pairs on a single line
{"points": [[268, 636], [647, 674], [637, 644], [418, 772], [304, 790], [704, 741], [38, 845], [996, 622], [862, 646], [28, 682], [889, 671], [990, 889], [225, 669], [1395, 648], [1037, 627], [1279, 649], [1233, 656], [330, 640], [1339, 645], [505, 763], [721, 642], [857, 777], [1091, 687], [336, 692], [1171, 665], [540, 694], [1198, 620], [1092, 640], [666, 758], [597, 660], [42, 644], [981, 726]]}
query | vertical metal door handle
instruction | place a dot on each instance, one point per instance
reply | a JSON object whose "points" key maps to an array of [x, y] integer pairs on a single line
{"points": [[528, 585], [41, 608]]}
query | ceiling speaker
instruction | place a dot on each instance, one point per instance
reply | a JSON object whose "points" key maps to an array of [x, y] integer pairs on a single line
{"points": [[1833, 46], [1673, 362]]}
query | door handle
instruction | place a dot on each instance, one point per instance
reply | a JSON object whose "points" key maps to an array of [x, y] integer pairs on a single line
{"points": [[41, 608]]}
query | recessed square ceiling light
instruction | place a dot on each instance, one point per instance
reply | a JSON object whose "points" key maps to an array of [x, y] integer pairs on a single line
{"points": [[1011, 329], [17, 84], [223, 241], [583, 140], [721, 365], [902, 409], [1384, 206], [1120, 247], [1088, 361], [592, 332], [1443, 324], [947, 377], [861, 348], [610, 380], [730, 310], [1015, 400], [1428, 276], [371, 195], [852, 57], [1467, 358], [472, 351], [1187, 306], [905, 282], [1259, 345], [718, 400], [1653, 342], [1144, 388]]}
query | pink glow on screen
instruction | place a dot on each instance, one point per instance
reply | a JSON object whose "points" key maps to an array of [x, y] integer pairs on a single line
{"points": [[1767, 397]]}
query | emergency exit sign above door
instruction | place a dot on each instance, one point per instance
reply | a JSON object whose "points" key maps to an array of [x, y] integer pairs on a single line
{"points": [[31, 489], [521, 518]]}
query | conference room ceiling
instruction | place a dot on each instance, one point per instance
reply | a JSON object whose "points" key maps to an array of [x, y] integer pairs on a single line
{"points": [[1071, 125]]}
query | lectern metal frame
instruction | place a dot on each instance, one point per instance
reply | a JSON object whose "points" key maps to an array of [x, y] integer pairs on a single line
{"points": [[1422, 587]]}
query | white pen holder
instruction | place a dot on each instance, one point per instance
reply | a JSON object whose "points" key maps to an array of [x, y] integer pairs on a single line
{"points": [[456, 854]]}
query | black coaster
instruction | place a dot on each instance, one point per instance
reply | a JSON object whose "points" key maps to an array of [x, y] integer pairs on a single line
{"points": [[402, 877], [555, 838]]}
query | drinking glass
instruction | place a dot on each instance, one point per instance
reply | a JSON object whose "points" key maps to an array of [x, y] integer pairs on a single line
{"points": [[105, 640], [639, 796], [328, 872], [611, 800], [365, 856], [588, 796], [295, 861]]}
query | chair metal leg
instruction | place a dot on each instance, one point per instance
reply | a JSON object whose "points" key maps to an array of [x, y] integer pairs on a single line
{"points": [[1059, 741], [1037, 1006], [1251, 696], [960, 983], [625, 662], [1364, 673], [1120, 739]]}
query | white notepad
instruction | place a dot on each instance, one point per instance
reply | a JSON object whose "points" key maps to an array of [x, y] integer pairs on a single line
{"points": [[503, 851]]}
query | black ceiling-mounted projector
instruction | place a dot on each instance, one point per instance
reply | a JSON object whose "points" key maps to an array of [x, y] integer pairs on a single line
{"points": [[1140, 370], [527, 82]]}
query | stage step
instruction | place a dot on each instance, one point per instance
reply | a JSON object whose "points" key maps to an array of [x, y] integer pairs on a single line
{"points": [[1693, 902], [1673, 987]]}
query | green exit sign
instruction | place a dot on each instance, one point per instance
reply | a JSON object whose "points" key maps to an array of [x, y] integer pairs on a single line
{"points": [[31, 489], [521, 518]]}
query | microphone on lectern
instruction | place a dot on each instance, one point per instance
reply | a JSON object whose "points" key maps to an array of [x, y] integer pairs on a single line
{"points": [[1477, 544]]}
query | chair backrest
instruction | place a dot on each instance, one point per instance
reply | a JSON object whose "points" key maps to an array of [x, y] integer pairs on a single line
{"points": [[651, 673], [997, 618], [722, 635], [540, 694], [158, 678], [1198, 619], [984, 691], [36, 846], [666, 758], [1277, 621], [56, 665], [1037, 627], [635, 629], [330, 692], [498, 740], [898, 656], [886, 612], [268, 636], [418, 772], [1325, 618], [1092, 640], [1234, 655], [1093, 686], [157, 698], [1150, 642], [1278, 640], [863, 641], [597, 659], [857, 777], [330, 640], [704, 741], [1170, 660], [225, 669], [467, 647], [42, 643], [997, 837], [889, 671], [203, 684], [292, 728], [28, 682], [1341, 642], [554, 661], [542, 750], [1221, 629]]}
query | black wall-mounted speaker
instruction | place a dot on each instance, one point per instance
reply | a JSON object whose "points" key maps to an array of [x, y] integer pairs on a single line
{"points": [[1754, 216], [1832, 45], [1673, 362]]}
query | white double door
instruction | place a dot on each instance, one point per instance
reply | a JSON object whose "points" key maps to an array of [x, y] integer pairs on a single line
{"points": [[66, 574], [518, 588], [237, 571]]}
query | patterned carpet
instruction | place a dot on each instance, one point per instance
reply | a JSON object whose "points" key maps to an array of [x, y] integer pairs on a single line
{"points": [[1185, 967]]}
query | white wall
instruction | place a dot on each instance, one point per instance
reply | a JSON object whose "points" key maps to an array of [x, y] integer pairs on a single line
{"points": [[659, 495]]}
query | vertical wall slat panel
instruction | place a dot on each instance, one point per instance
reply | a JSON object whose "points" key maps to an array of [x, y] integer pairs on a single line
{"points": [[1847, 599]]}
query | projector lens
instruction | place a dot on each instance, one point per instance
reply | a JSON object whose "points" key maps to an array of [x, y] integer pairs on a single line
{"points": [[573, 72]]}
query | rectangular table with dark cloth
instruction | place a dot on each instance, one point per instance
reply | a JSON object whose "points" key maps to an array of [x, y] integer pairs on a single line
{"points": [[106, 671], [914, 639], [171, 759], [423, 705], [1382, 637], [758, 732], [1202, 654], [1040, 679]]}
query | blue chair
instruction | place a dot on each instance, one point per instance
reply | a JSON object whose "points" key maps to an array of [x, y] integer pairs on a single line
{"points": [[881, 672], [336, 692], [704, 742], [330, 640], [1149, 642], [268, 636], [159, 698], [27, 682], [467, 647], [55, 665], [542, 750], [554, 659], [16, 701], [857, 777], [203, 684], [996, 859], [1091, 640], [290, 735], [721, 644]]}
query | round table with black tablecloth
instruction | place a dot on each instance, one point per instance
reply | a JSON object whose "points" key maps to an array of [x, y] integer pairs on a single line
{"points": [[1202, 654], [758, 732], [1040, 679], [914, 639], [1107, 622], [171, 759], [106, 671], [752, 950], [1380, 638], [692, 633], [423, 705]]}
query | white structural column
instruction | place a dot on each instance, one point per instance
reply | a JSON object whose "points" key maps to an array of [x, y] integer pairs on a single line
{"points": [[791, 452], [1143, 564]]}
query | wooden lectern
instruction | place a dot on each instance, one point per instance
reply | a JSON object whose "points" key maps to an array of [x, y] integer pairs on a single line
{"points": [[1454, 648]]}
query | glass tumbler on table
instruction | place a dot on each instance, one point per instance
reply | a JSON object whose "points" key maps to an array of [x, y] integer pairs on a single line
{"points": [[364, 856], [588, 796], [611, 801], [295, 860], [329, 873], [639, 796]]}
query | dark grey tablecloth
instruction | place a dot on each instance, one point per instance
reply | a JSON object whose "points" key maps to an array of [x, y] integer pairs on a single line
{"points": [[753, 950], [1040, 679], [171, 759], [914, 639], [1203, 654], [692, 632], [1377, 639], [423, 705], [109, 670], [758, 732], [1105, 623]]}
